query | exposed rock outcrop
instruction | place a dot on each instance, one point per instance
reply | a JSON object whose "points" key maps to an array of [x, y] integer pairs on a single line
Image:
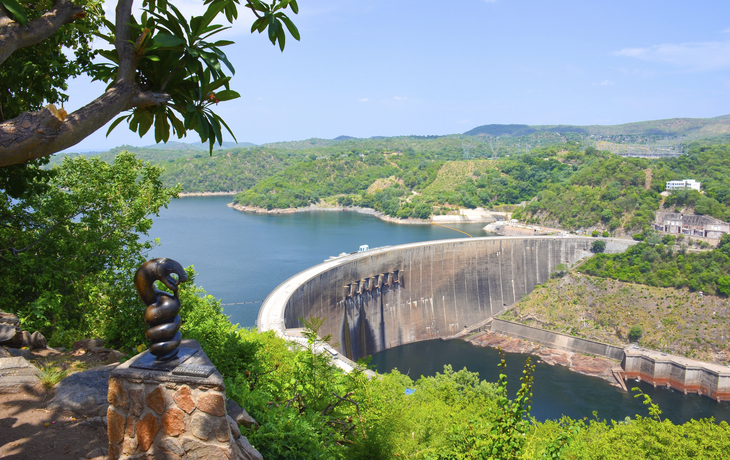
{"points": [[12, 335], [582, 364]]}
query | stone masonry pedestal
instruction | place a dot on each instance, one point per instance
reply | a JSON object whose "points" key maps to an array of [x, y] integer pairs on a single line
{"points": [[160, 415]]}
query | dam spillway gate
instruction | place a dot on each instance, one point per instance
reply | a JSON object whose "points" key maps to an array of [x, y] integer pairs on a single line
{"points": [[391, 296]]}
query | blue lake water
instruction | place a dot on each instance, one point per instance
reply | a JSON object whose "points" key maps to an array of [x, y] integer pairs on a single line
{"points": [[241, 257]]}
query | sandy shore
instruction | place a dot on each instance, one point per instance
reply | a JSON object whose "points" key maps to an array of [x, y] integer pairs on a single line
{"points": [[315, 207], [184, 194]]}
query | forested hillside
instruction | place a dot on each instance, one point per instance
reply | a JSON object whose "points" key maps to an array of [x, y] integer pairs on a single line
{"points": [[552, 175], [414, 182], [707, 127], [226, 171], [612, 192]]}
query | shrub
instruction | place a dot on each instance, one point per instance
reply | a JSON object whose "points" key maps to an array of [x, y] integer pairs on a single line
{"points": [[598, 246], [635, 333]]}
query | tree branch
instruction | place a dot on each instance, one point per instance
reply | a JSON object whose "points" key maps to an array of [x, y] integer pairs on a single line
{"points": [[13, 36], [125, 50], [42, 133]]}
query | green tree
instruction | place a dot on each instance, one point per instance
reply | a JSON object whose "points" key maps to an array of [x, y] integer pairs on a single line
{"points": [[68, 252], [635, 333], [162, 68], [598, 246]]}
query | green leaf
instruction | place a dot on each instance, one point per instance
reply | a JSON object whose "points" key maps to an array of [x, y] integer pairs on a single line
{"points": [[227, 95], [282, 36], [216, 84], [152, 57], [292, 28], [177, 125], [222, 56], [212, 60], [294, 6], [209, 15], [162, 127], [226, 125], [167, 40], [216, 128], [259, 24], [16, 10], [202, 127], [223, 43], [115, 123], [274, 26], [145, 121]]}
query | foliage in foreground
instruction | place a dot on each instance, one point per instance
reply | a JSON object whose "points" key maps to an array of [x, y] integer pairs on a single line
{"points": [[309, 409], [70, 243]]}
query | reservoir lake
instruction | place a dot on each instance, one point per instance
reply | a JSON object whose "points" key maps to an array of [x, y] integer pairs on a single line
{"points": [[241, 257]]}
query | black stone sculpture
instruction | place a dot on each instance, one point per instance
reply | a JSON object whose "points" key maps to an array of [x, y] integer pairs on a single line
{"points": [[162, 307]]}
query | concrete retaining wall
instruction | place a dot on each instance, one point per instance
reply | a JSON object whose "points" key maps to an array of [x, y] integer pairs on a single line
{"points": [[683, 374], [557, 340], [659, 369]]}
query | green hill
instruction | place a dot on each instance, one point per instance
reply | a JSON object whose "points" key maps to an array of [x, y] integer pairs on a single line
{"points": [[675, 127]]}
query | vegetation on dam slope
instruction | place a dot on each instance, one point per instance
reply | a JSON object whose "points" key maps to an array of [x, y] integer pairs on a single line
{"points": [[675, 321]]}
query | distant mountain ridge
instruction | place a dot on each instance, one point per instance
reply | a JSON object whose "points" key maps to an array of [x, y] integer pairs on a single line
{"points": [[700, 127]]}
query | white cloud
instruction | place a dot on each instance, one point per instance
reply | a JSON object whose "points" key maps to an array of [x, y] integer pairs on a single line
{"points": [[693, 56], [604, 83], [400, 98], [364, 99], [726, 31]]}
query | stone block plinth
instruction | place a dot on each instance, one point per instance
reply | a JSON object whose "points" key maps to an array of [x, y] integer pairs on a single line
{"points": [[161, 415]]}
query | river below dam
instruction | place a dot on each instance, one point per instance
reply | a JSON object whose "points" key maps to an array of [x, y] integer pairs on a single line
{"points": [[241, 257]]}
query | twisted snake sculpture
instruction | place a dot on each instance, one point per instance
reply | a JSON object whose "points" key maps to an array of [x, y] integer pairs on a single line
{"points": [[162, 307]]}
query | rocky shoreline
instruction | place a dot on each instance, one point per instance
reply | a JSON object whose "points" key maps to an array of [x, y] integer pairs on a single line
{"points": [[319, 207], [600, 367]]}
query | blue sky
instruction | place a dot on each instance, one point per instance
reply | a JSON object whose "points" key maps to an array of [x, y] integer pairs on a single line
{"points": [[399, 67]]}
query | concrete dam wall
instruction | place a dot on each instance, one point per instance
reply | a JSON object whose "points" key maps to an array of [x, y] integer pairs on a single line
{"points": [[396, 295]]}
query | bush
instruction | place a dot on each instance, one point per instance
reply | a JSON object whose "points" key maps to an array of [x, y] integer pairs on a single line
{"points": [[635, 333], [598, 246]]}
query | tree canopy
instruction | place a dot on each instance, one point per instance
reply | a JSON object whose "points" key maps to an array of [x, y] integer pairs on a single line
{"points": [[162, 67]]}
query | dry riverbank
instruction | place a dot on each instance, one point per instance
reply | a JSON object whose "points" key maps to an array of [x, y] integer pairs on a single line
{"points": [[207, 194], [320, 207]]}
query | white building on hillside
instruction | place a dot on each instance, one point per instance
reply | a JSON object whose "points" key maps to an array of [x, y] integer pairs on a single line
{"points": [[687, 184]]}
